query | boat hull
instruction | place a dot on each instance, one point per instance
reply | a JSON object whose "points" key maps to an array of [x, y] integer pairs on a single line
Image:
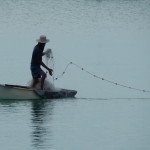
{"points": [[7, 92], [22, 92]]}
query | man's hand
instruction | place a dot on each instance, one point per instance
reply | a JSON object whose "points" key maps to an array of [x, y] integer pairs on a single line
{"points": [[48, 53], [50, 71]]}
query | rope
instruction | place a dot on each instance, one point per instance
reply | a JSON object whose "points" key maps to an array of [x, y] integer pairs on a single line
{"points": [[99, 77], [60, 76]]}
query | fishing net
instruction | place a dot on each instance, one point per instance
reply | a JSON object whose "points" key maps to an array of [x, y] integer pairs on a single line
{"points": [[49, 58], [47, 85]]}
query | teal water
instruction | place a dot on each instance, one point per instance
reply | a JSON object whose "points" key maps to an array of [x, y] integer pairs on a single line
{"points": [[108, 38], [75, 124]]}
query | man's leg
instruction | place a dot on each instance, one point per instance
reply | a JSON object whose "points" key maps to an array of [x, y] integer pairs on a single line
{"points": [[35, 82], [43, 79]]}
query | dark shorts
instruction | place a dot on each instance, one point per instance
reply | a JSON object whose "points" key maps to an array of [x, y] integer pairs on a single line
{"points": [[36, 72]]}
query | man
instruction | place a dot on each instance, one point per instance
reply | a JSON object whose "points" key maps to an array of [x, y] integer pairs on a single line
{"points": [[36, 62]]}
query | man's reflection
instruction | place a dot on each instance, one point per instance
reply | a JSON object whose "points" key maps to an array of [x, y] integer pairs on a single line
{"points": [[41, 115]]}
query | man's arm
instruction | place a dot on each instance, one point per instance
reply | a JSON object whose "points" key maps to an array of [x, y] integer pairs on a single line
{"points": [[44, 53], [49, 70], [47, 53]]}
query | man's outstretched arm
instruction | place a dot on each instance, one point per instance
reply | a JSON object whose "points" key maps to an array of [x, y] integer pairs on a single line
{"points": [[49, 70]]}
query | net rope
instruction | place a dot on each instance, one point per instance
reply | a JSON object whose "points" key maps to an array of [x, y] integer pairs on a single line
{"points": [[99, 77]]}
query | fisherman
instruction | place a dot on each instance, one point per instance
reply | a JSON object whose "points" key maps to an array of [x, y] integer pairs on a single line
{"points": [[36, 62]]}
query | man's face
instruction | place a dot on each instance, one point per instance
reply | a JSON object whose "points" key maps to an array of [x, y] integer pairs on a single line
{"points": [[42, 44]]}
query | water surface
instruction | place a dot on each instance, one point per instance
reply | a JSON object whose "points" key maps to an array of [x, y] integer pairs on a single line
{"points": [[75, 124]]}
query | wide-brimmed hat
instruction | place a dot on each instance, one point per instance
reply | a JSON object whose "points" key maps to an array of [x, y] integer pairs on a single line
{"points": [[42, 39]]}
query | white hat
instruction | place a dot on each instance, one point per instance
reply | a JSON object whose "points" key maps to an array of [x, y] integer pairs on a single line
{"points": [[42, 39]]}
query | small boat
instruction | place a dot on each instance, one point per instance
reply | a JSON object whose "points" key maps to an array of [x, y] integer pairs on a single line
{"points": [[8, 91]]}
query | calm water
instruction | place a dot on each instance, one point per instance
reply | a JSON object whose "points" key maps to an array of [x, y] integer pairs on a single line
{"points": [[108, 38], [75, 124]]}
